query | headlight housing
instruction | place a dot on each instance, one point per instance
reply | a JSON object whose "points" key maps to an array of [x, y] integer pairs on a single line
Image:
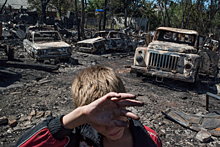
{"points": [[139, 59], [188, 67]]}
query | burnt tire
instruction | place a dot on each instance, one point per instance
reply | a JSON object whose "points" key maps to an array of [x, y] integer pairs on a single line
{"points": [[129, 49], [10, 54], [139, 74], [101, 50]]}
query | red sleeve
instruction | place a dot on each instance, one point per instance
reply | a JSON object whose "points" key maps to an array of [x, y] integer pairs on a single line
{"points": [[154, 136], [44, 138]]}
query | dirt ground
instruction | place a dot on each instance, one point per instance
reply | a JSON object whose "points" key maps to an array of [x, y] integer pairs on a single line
{"points": [[30, 91]]}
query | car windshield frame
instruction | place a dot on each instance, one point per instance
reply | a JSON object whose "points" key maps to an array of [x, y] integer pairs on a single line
{"points": [[46, 37], [176, 37], [101, 34]]}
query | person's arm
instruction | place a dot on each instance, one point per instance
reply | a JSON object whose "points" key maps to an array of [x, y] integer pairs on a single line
{"points": [[53, 132], [103, 111], [44, 134]]}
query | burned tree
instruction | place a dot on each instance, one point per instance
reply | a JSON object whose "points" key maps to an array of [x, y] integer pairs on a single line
{"points": [[44, 5], [104, 20], [3, 6], [82, 19], [77, 20]]}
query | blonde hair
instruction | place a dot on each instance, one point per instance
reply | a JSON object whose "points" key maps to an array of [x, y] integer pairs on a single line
{"points": [[93, 83]]}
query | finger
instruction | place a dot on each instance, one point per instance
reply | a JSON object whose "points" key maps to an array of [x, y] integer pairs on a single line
{"points": [[127, 96], [128, 113], [112, 95], [127, 103], [118, 123]]}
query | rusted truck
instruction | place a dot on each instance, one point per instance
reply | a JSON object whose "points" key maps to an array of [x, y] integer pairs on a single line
{"points": [[106, 40], [178, 54], [42, 43]]}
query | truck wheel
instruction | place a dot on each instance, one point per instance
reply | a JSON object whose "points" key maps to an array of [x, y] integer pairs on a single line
{"points": [[197, 76], [139, 74], [101, 50]]}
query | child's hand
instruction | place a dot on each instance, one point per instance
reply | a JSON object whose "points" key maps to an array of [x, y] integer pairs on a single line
{"points": [[104, 110]]}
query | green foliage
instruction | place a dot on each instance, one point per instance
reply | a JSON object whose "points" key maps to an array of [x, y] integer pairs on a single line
{"points": [[203, 14]]}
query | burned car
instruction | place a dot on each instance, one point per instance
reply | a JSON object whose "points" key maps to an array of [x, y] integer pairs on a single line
{"points": [[106, 40], [46, 44], [178, 54]]}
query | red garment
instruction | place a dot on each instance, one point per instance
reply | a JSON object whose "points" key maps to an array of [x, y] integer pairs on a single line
{"points": [[154, 136], [51, 133]]}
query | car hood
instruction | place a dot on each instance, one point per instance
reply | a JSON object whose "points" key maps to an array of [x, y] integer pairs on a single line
{"points": [[50, 45], [91, 40], [172, 47]]}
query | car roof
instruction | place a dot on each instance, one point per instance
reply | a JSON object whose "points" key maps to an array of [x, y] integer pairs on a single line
{"points": [[112, 31], [185, 31], [43, 31]]}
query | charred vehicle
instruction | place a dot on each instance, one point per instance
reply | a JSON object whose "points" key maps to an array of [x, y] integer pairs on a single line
{"points": [[46, 44], [106, 40], [178, 54]]}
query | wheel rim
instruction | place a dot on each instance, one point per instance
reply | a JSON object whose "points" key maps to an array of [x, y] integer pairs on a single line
{"points": [[102, 50]]}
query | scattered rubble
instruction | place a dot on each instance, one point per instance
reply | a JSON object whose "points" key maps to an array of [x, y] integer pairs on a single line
{"points": [[47, 93]]}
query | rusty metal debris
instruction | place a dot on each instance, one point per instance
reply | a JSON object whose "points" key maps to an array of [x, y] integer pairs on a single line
{"points": [[106, 40], [210, 121], [203, 135], [214, 104], [177, 54]]}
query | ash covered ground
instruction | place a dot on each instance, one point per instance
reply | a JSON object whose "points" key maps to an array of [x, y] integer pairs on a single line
{"points": [[30, 91]]}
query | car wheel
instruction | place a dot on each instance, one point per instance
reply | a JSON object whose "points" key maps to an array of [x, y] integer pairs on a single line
{"points": [[101, 50], [10, 54], [129, 49]]}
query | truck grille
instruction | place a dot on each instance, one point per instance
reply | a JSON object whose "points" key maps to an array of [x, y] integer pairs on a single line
{"points": [[163, 61]]}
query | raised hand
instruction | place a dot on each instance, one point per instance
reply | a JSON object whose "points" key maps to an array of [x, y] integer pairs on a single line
{"points": [[105, 110]]}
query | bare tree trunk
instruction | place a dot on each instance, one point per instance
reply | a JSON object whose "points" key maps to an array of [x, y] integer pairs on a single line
{"points": [[188, 14], [44, 5], [111, 13], [210, 13], [146, 21], [100, 22], [163, 22], [167, 14], [139, 27], [3, 6], [214, 27], [148, 27], [126, 13], [82, 20], [59, 11], [104, 20], [182, 25], [77, 20], [201, 16]]}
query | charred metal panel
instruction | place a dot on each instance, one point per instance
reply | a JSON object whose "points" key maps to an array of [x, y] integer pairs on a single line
{"points": [[210, 121]]}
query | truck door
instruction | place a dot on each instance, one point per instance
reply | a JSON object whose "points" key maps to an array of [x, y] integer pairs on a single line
{"points": [[209, 57]]}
